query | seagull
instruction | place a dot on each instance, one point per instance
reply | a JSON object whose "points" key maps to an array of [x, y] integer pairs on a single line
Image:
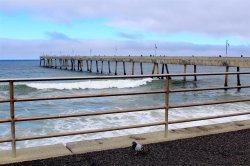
{"points": [[137, 147]]}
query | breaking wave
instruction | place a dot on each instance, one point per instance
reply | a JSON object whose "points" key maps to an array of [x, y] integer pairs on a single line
{"points": [[104, 84]]}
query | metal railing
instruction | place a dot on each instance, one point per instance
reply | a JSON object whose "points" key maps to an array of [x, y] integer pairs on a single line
{"points": [[12, 100]]}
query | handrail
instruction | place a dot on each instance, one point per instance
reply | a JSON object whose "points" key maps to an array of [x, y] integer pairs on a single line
{"points": [[122, 111], [121, 94], [167, 106], [124, 127], [117, 77]]}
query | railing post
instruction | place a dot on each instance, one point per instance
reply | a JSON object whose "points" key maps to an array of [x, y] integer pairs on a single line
{"points": [[167, 105], [12, 115]]}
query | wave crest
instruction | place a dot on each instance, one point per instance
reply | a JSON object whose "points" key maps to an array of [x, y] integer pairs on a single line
{"points": [[104, 84]]}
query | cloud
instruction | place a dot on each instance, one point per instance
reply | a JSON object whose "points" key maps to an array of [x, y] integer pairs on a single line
{"points": [[30, 49], [209, 17], [129, 35], [57, 36]]}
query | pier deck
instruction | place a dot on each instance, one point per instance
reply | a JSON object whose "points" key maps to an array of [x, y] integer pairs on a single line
{"points": [[78, 62], [185, 60]]}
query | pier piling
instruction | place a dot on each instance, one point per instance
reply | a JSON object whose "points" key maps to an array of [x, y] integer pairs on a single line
{"points": [[87, 65], [116, 67], [133, 68], [226, 77], [90, 70], [141, 68], [195, 77], [185, 72], [102, 68], [97, 69], [124, 68], [162, 69], [109, 67]]}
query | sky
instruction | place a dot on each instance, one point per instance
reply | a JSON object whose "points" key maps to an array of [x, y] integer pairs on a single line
{"points": [[31, 28]]}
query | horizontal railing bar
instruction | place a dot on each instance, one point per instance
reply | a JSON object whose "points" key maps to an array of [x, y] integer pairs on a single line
{"points": [[5, 140], [209, 117], [91, 131], [209, 103], [4, 100], [88, 114], [124, 111], [126, 127], [205, 89], [5, 120], [117, 77], [125, 94], [89, 96]]}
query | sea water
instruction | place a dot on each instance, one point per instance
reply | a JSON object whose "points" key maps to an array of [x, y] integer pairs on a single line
{"points": [[31, 69]]}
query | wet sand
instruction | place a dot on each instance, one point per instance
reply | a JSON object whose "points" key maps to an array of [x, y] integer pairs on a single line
{"points": [[231, 148]]}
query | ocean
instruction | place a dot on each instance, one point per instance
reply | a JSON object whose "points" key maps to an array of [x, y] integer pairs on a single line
{"points": [[31, 69]]}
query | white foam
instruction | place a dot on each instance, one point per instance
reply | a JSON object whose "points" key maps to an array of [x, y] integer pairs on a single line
{"points": [[104, 84], [115, 120]]}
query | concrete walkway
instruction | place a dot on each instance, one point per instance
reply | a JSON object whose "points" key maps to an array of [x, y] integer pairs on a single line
{"points": [[232, 148], [44, 152]]}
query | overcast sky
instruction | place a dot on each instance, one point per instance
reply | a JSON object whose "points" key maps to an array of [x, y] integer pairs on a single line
{"points": [[30, 28]]}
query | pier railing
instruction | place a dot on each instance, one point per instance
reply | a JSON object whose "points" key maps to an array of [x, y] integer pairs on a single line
{"points": [[12, 100]]}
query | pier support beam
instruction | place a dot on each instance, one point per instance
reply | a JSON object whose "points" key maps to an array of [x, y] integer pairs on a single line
{"points": [[226, 76], [153, 69], [55, 63], [124, 68], [78, 65], [133, 68], [195, 77], [157, 68], [116, 67], [90, 70], [87, 65], [102, 68], [66, 63], [81, 65], [109, 67], [162, 69], [97, 69], [185, 72], [166, 65], [72, 64], [238, 77], [141, 68], [60, 63]]}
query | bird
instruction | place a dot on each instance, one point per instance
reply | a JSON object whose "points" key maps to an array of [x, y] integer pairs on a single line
{"points": [[138, 148]]}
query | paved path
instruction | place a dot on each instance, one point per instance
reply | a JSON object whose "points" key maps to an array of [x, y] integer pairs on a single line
{"points": [[221, 149]]}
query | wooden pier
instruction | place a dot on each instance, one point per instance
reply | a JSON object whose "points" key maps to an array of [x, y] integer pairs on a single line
{"points": [[78, 62]]}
